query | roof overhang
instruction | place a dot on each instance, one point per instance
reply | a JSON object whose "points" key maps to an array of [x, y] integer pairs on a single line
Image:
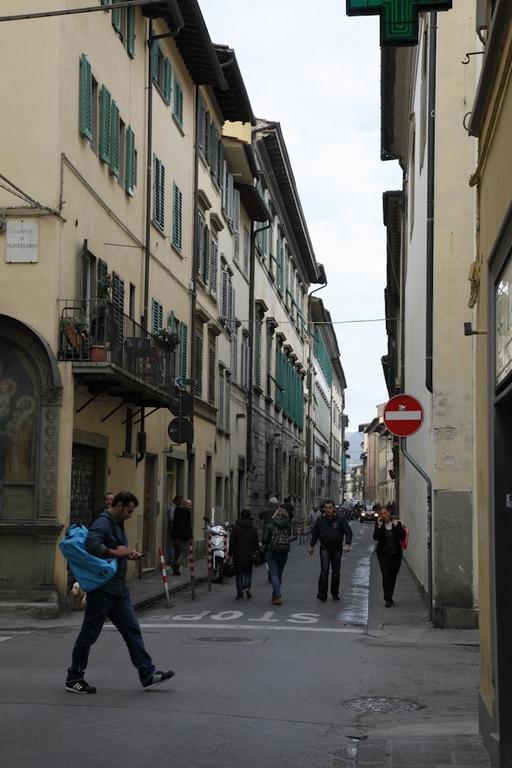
{"points": [[253, 202], [186, 23], [240, 158], [233, 102], [275, 147], [395, 94], [111, 380]]}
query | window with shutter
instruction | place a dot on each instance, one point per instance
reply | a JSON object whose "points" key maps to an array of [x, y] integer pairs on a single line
{"points": [[220, 408], [116, 17], [198, 364], [158, 193], [220, 163], [231, 199], [155, 59], [224, 294], [247, 245], [227, 407], [130, 32], [199, 243], [206, 142], [85, 116], [214, 249], [167, 80], [234, 355], [115, 139], [177, 217], [231, 306], [211, 370], [129, 177], [257, 352], [102, 280], [206, 255], [178, 102], [183, 337], [201, 124], [105, 124], [157, 317]]}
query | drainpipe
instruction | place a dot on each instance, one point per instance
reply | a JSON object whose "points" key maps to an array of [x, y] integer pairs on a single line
{"points": [[432, 56], [141, 442], [193, 281]]}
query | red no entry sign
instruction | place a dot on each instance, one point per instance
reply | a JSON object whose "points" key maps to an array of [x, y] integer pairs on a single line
{"points": [[403, 415]]}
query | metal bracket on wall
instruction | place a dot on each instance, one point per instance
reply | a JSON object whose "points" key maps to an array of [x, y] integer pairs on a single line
{"points": [[88, 402]]}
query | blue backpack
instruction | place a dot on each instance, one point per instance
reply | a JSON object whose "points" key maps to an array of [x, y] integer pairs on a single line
{"points": [[90, 571]]}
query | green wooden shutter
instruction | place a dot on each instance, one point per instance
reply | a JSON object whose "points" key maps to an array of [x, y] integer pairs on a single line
{"points": [[167, 80], [177, 217], [158, 193], [155, 52], [85, 97], [116, 17], [130, 32], [129, 178], [105, 124], [183, 354], [102, 280], [115, 139], [198, 243], [206, 255], [157, 316], [178, 102], [257, 352]]}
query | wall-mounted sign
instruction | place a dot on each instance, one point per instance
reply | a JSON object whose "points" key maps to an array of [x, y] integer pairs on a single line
{"points": [[503, 312], [398, 18], [21, 241]]}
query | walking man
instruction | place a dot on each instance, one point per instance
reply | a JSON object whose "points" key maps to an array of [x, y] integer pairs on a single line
{"points": [[330, 529], [181, 534], [389, 533], [176, 502], [107, 538]]}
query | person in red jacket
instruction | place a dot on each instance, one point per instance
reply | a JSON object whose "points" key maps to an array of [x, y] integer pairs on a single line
{"points": [[389, 533]]}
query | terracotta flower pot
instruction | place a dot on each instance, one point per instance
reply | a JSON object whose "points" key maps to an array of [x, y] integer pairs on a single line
{"points": [[97, 353]]}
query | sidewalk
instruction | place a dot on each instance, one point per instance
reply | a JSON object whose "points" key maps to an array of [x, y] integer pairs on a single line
{"points": [[427, 744], [144, 592]]}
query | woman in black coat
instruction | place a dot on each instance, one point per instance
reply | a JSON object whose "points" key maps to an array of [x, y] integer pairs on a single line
{"points": [[243, 545], [389, 533]]}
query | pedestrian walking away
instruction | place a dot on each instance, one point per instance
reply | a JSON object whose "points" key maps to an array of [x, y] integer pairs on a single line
{"points": [[276, 541], [243, 546], [389, 533], [181, 534], [107, 539], [331, 529]]}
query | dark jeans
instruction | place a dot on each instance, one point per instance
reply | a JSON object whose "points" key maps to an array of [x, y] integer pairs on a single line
{"points": [[389, 566], [119, 609], [332, 558], [243, 574], [276, 563]]}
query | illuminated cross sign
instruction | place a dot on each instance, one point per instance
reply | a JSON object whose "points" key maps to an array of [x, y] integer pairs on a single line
{"points": [[398, 18]]}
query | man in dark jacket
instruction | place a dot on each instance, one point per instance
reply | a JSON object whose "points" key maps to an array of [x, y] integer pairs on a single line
{"points": [[107, 538], [389, 534], [330, 528], [181, 534], [243, 545]]}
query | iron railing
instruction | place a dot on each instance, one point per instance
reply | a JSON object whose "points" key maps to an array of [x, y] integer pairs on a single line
{"points": [[98, 332]]}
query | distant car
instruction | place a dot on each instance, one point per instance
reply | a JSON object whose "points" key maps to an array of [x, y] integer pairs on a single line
{"points": [[368, 516]]}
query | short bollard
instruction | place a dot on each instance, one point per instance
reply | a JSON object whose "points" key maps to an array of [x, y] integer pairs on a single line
{"points": [[209, 561], [164, 577]]}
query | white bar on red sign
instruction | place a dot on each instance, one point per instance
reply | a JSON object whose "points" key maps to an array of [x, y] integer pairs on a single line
{"points": [[403, 415]]}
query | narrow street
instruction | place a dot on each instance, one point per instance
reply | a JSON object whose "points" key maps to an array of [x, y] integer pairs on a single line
{"points": [[255, 684]]}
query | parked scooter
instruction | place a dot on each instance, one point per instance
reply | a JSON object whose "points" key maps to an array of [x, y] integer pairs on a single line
{"points": [[218, 533]]}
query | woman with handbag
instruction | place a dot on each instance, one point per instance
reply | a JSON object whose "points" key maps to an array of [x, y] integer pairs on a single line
{"points": [[389, 534], [243, 546]]}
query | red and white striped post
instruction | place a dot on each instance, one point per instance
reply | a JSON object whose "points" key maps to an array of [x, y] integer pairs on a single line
{"points": [[164, 577], [209, 560], [192, 566]]}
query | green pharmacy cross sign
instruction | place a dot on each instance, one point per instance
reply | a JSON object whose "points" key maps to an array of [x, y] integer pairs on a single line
{"points": [[398, 18]]}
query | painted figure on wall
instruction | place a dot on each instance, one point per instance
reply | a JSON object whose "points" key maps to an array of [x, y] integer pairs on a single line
{"points": [[18, 416]]}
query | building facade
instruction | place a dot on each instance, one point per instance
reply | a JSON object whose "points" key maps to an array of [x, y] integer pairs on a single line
{"points": [[425, 93]]}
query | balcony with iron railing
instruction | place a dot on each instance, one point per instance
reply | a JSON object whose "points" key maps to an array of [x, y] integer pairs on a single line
{"points": [[116, 356]]}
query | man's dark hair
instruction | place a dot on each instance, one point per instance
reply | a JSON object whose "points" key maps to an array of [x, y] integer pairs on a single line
{"points": [[125, 498], [325, 502], [177, 499]]}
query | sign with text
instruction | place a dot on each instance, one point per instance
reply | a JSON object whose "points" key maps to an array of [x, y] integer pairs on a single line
{"points": [[21, 241], [403, 415], [398, 18]]}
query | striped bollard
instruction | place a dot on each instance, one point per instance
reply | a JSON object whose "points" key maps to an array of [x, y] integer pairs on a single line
{"points": [[192, 566], [209, 561], [164, 577], [226, 546]]}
